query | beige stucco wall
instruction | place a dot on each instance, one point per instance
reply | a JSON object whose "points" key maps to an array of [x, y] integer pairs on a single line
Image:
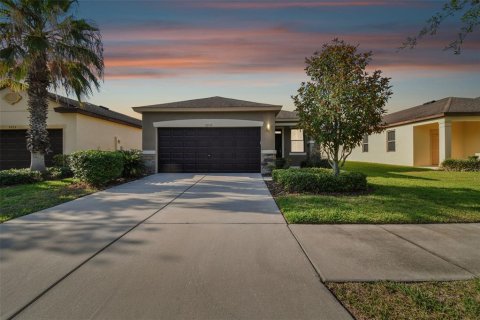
{"points": [[377, 148], [465, 139], [422, 143], [149, 131], [93, 133], [79, 132]]}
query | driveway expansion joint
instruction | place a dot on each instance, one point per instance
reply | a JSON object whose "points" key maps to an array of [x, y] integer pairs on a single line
{"points": [[430, 251]]}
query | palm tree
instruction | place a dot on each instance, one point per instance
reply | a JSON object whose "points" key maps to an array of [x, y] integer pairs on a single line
{"points": [[43, 47]]}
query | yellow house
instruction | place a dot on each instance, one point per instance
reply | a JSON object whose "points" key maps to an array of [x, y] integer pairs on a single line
{"points": [[71, 128], [426, 135]]}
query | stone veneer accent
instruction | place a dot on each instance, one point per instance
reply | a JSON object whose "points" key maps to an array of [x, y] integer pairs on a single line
{"points": [[268, 161], [149, 161]]}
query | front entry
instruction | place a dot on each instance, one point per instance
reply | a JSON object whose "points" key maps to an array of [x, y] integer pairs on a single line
{"points": [[209, 149], [279, 143], [434, 147]]}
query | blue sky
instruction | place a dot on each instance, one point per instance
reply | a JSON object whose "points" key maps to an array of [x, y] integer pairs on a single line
{"points": [[161, 51]]}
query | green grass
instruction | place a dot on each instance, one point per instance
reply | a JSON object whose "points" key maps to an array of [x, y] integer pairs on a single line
{"points": [[19, 200], [398, 195], [394, 300]]}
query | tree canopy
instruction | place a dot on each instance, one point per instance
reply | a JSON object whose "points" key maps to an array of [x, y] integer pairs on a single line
{"points": [[342, 102], [470, 19]]}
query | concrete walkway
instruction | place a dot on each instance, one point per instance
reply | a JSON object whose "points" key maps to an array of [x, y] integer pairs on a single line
{"points": [[170, 246], [427, 252]]}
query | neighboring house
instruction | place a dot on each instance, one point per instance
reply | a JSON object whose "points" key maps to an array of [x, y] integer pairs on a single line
{"points": [[219, 135], [426, 135], [71, 127]]}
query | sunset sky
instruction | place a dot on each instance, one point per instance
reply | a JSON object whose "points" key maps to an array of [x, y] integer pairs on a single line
{"points": [[162, 51]]}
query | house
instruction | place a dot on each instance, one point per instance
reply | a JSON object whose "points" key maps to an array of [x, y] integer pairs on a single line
{"points": [[426, 135], [71, 127], [219, 134]]}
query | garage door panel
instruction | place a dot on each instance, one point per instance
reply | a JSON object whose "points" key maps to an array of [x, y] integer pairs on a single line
{"points": [[209, 149], [14, 153]]}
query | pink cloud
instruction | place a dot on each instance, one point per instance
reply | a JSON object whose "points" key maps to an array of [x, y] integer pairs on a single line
{"points": [[200, 51]]}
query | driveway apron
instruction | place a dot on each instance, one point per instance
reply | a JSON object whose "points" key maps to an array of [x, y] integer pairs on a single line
{"points": [[167, 246]]}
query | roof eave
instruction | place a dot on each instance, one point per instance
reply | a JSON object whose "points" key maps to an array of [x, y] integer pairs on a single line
{"points": [[208, 109], [432, 117], [62, 109]]}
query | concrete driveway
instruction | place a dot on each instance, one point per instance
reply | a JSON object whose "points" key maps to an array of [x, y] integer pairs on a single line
{"points": [[170, 246]]}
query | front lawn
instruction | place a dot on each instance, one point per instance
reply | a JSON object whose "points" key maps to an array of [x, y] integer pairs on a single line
{"points": [[394, 300], [398, 195], [19, 200]]}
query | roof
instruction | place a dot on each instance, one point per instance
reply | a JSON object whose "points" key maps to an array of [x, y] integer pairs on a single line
{"points": [[213, 103], [451, 106], [285, 115], [73, 106]]}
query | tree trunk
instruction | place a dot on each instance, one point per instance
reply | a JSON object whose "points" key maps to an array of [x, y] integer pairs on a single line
{"points": [[336, 168], [37, 135], [37, 161]]}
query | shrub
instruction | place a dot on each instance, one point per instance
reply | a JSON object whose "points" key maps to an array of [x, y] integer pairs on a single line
{"points": [[319, 180], [96, 167], [470, 164], [315, 162], [19, 176], [281, 163], [57, 173], [61, 160], [133, 165]]}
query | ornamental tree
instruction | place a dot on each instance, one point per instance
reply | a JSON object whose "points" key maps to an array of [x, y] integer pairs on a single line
{"points": [[342, 102]]}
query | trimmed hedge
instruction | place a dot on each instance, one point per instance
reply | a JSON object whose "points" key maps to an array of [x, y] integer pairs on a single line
{"points": [[471, 164], [61, 160], [133, 165], [315, 163], [319, 180], [96, 167], [19, 176], [57, 173]]}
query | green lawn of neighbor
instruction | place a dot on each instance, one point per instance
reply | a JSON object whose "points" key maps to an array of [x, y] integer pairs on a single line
{"points": [[397, 195], [19, 200], [394, 300]]}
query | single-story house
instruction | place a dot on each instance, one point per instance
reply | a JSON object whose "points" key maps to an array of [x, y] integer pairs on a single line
{"points": [[71, 127], [219, 134], [426, 135]]}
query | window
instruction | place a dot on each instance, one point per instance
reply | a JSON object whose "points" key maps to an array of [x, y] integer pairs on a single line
{"points": [[365, 143], [391, 141], [297, 144]]}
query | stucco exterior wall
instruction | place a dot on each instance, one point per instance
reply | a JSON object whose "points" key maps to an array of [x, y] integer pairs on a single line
{"points": [[421, 144], [413, 145], [16, 117], [377, 148], [99, 134], [79, 132], [465, 139], [267, 135]]}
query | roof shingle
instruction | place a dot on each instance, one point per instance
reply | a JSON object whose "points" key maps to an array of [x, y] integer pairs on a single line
{"points": [[211, 102], [73, 106], [435, 109]]}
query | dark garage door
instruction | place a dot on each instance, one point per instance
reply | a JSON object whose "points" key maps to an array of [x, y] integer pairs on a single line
{"points": [[13, 148], [209, 149]]}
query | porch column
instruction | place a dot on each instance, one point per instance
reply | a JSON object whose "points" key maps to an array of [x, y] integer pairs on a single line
{"points": [[445, 137]]}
